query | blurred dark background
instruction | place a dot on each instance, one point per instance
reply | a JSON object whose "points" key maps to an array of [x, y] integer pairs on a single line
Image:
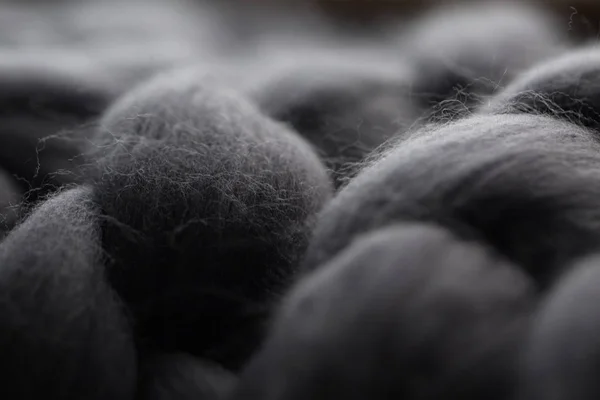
{"points": [[581, 17]]}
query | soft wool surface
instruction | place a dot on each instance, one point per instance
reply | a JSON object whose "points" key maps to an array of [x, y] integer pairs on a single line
{"points": [[560, 360], [345, 111], [526, 185], [205, 200], [62, 328], [564, 87], [462, 53], [427, 316], [208, 206]]}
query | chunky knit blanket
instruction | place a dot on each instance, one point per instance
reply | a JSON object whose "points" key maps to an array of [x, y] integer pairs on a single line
{"points": [[212, 201]]}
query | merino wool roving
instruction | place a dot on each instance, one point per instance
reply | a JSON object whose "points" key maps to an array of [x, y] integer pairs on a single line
{"points": [[561, 353], [565, 87], [345, 111], [526, 185], [207, 200], [208, 206], [63, 330], [407, 312], [462, 53]]}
